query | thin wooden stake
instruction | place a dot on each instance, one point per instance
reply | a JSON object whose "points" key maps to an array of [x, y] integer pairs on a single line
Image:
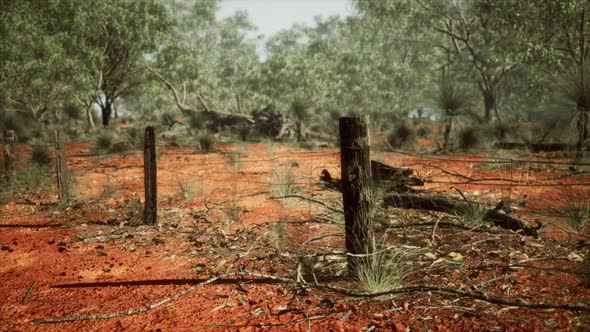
{"points": [[150, 173], [9, 155], [61, 165]]}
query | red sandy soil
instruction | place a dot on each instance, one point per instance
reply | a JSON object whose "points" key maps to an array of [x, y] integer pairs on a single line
{"points": [[218, 219]]}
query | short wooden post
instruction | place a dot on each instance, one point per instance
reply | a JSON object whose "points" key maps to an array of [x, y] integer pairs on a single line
{"points": [[356, 190], [61, 165], [9, 155], [149, 167]]}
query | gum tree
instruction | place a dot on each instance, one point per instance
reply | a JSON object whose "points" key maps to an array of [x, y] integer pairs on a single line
{"points": [[113, 37], [472, 37]]}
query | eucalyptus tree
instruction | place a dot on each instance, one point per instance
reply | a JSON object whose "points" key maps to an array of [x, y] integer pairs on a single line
{"points": [[205, 61], [559, 40], [345, 66], [471, 34], [113, 37], [36, 66]]}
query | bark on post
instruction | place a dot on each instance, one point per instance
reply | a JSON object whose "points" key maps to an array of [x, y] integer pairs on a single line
{"points": [[356, 191], [61, 165], [149, 167], [9, 155]]}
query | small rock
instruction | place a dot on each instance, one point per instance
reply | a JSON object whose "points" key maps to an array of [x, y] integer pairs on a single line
{"points": [[6, 248]]}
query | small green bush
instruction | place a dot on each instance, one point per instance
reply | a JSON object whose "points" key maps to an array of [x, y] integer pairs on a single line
{"points": [[207, 141], [119, 147], [502, 131], [401, 135], [244, 130], [168, 119], [33, 178], [469, 138], [573, 205], [283, 182], [104, 140], [423, 131], [134, 136], [72, 111], [40, 155]]}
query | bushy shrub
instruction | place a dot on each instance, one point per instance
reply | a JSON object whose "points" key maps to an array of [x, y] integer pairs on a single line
{"points": [[34, 177], [243, 130], [423, 131], [104, 140], [134, 136], [501, 131], [119, 147], [40, 155], [168, 119], [72, 111], [401, 135], [469, 138], [207, 140]]}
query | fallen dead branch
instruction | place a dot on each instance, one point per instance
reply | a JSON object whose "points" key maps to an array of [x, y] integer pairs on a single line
{"points": [[441, 204], [345, 292], [132, 311]]}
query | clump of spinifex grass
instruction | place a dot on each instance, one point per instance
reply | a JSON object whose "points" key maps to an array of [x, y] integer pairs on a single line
{"points": [[382, 271], [207, 141], [573, 205], [473, 214], [283, 182]]}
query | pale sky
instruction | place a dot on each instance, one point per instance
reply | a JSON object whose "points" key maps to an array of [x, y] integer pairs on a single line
{"points": [[272, 16]]}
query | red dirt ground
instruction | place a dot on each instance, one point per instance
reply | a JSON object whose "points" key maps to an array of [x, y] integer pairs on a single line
{"points": [[218, 218]]}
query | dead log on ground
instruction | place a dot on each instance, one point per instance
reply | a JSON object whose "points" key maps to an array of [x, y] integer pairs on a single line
{"points": [[391, 178], [535, 147], [441, 204]]}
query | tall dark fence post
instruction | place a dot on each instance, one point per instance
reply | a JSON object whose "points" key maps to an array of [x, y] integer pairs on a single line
{"points": [[61, 165], [149, 167], [356, 190], [9, 155]]}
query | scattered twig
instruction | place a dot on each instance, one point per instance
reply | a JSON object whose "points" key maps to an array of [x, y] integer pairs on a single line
{"points": [[129, 312], [311, 200], [481, 297], [29, 291]]}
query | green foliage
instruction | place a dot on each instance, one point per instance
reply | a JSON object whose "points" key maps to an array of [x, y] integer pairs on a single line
{"points": [[168, 119], [56, 51], [34, 178], [72, 111]]}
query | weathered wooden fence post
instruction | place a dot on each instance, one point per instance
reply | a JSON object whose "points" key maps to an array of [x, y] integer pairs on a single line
{"points": [[356, 190], [9, 154], [61, 165], [149, 168]]}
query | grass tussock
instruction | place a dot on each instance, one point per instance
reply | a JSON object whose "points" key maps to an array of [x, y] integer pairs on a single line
{"points": [[385, 270], [473, 214], [573, 206], [283, 182]]}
